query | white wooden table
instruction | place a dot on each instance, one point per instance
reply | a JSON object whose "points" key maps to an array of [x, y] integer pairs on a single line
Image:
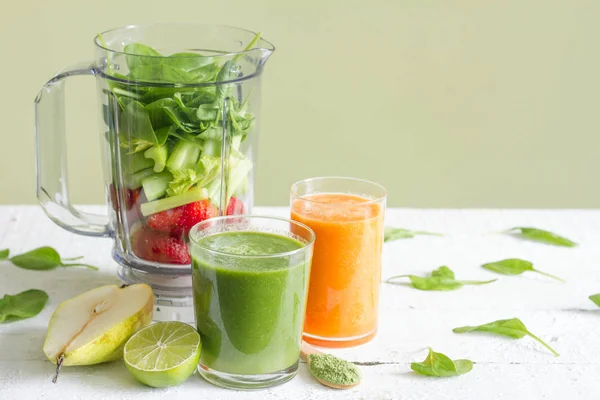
{"points": [[411, 320]]}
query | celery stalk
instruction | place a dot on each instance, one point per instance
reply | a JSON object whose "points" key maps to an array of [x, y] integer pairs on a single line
{"points": [[159, 155], [134, 181], [212, 148], [238, 176], [135, 162], [191, 196], [236, 142], [184, 155], [155, 186], [239, 173]]}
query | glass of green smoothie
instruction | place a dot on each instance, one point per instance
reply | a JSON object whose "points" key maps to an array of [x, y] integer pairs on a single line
{"points": [[250, 279]]}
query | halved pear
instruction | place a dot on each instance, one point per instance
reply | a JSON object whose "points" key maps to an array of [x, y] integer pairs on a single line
{"points": [[93, 327]]}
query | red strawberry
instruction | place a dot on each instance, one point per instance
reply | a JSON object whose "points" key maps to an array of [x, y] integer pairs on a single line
{"points": [[179, 220], [159, 247], [131, 197], [236, 207]]}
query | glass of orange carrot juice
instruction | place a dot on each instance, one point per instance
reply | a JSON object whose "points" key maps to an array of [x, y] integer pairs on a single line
{"points": [[346, 215]]}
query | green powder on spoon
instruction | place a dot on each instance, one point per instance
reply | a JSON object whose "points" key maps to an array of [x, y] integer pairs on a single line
{"points": [[332, 369]]}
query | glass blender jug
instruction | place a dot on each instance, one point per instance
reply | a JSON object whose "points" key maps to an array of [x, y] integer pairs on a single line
{"points": [[179, 106]]}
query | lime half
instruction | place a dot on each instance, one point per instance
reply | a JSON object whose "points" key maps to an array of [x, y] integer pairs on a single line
{"points": [[163, 354]]}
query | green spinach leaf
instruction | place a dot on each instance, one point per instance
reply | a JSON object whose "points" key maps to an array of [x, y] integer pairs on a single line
{"points": [[443, 272], [241, 121], [176, 68], [188, 111], [203, 95], [188, 61], [214, 133], [540, 235], [391, 233], [4, 254], [166, 112], [228, 72], [513, 328], [44, 258], [23, 305], [441, 279], [596, 299], [162, 73], [205, 73], [440, 365], [515, 266], [135, 128], [208, 112], [139, 54]]}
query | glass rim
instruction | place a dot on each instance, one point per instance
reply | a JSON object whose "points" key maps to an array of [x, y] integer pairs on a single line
{"points": [[377, 199], [199, 225], [97, 42]]}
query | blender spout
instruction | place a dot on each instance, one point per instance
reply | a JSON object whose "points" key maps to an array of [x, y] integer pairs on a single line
{"points": [[264, 55], [252, 61], [262, 50]]}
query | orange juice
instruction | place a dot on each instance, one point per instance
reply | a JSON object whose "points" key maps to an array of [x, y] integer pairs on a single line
{"points": [[343, 296]]}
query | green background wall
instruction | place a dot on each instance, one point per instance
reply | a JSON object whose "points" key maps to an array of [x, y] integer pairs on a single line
{"points": [[446, 103]]}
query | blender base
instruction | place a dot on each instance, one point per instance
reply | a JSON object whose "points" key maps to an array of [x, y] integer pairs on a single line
{"points": [[173, 309], [173, 300]]}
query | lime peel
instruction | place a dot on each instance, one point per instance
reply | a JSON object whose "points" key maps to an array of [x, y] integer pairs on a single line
{"points": [[163, 354]]}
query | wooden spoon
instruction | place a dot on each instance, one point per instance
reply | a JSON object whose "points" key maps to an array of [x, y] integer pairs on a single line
{"points": [[305, 350]]}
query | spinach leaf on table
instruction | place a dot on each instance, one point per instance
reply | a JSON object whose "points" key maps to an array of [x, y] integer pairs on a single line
{"points": [[440, 365], [540, 235], [515, 266], [441, 279], [513, 328], [4, 254], [45, 258], [23, 305], [391, 233], [596, 299]]}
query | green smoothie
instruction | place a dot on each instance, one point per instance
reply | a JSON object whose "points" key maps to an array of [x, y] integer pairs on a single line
{"points": [[249, 309]]}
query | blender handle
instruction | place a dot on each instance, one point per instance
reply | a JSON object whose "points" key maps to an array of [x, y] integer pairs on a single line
{"points": [[51, 158]]}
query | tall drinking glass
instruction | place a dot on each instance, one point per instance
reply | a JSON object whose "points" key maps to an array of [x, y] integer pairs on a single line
{"points": [[346, 215], [250, 279]]}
